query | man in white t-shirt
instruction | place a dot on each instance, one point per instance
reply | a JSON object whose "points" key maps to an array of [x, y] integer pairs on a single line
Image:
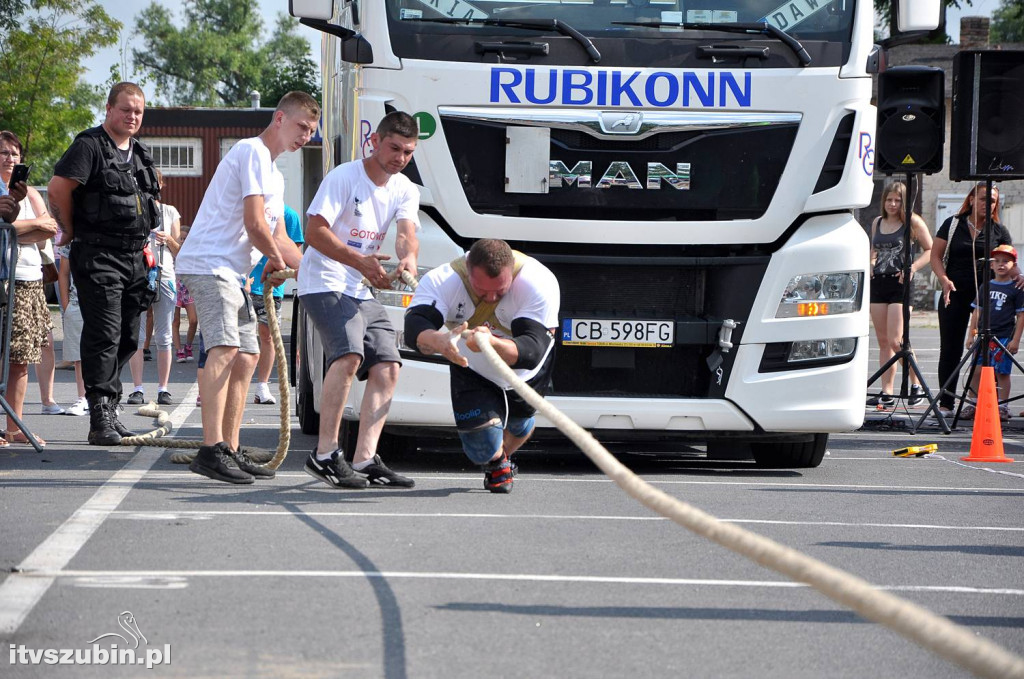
{"points": [[348, 219], [236, 224], [515, 299]]}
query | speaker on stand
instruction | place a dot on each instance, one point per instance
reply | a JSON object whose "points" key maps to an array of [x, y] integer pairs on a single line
{"points": [[911, 120], [987, 136]]}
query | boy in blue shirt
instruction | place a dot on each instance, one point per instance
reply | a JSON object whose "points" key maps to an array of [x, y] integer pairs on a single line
{"points": [[293, 224], [1006, 319]]}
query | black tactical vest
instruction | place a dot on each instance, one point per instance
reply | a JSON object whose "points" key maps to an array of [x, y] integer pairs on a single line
{"points": [[119, 200]]}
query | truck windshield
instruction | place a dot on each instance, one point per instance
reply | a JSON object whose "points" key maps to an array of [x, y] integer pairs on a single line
{"points": [[471, 30]]}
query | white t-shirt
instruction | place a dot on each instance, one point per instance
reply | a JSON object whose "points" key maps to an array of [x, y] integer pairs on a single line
{"points": [[218, 243], [30, 264], [534, 295], [163, 253], [359, 213]]}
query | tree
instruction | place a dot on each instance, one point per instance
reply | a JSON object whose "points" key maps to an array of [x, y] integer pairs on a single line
{"points": [[1008, 22], [43, 98], [220, 55]]}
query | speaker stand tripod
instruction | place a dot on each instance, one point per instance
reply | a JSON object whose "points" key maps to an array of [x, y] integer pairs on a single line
{"points": [[906, 353], [9, 239]]}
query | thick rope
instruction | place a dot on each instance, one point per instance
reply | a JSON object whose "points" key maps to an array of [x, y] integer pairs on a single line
{"points": [[933, 632], [158, 437]]}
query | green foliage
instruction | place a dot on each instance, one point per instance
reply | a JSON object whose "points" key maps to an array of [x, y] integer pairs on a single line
{"points": [[220, 54], [1008, 22], [43, 98]]}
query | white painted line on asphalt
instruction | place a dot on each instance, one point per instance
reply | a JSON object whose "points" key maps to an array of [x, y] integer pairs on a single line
{"points": [[205, 515], [498, 577], [20, 593]]}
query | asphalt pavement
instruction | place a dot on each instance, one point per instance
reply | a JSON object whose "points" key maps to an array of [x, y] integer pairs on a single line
{"points": [[566, 576]]}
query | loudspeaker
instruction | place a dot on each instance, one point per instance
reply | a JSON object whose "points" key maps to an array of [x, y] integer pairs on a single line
{"points": [[987, 138], [911, 120]]}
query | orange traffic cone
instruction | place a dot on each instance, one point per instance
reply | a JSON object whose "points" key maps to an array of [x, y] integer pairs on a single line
{"points": [[987, 438]]}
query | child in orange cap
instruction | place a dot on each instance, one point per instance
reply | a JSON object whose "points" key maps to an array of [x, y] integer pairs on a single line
{"points": [[1006, 320]]}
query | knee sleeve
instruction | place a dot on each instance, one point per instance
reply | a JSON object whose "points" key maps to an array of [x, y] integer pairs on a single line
{"points": [[480, 445]]}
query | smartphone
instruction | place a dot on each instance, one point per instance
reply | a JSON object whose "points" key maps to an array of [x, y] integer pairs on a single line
{"points": [[20, 173]]}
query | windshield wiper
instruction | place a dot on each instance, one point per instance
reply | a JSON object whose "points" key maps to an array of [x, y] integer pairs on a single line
{"points": [[764, 28], [530, 24]]}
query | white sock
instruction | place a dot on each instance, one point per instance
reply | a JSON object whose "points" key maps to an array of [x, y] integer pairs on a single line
{"points": [[263, 385], [161, 389], [362, 465], [138, 387], [323, 457]]}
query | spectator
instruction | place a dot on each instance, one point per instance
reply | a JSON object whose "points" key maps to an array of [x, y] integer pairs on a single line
{"points": [[72, 319], [184, 301], [957, 259], [266, 363]]}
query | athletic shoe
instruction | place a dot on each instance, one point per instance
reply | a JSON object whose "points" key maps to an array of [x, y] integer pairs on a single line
{"points": [[264, 396], [188, 352], [916, 395], [179, 356], [217, 462], [335, 472], [136, 398], [147, 355], [246, 464], [79, 408], [257, 455], [199, 400], [498, 476], [164, 398], [52, 409], [882, 399], [1004, 414], [378, 474]]}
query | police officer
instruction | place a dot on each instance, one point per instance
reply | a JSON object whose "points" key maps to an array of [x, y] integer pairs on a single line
{"points": [[103, 195]]}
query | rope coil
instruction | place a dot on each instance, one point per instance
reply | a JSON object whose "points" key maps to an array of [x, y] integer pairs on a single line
{"points": [[929, 630]]}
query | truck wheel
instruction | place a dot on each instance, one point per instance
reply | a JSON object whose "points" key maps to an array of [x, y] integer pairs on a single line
{"points": [[309, 419], [347, 437], [789, 454]]}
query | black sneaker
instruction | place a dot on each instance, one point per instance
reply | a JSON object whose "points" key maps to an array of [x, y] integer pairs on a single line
{"points": [[147, 355], [916, 395], [498, 476], [378, 474], [216, 462], [257, 455], [246, 464], [164, 398], [136, 398], [335, 472], [882, 399]]}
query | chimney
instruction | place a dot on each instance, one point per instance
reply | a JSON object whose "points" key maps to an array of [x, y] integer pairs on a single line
{"points": [[254, 96], [974, 33]]}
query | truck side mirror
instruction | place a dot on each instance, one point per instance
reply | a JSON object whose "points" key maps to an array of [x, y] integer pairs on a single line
{"points": [[918, 15], [311, 9]]}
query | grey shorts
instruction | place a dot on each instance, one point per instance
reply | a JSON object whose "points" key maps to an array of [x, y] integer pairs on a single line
{"points": [[352, 326], [259, 306], [225, 314]]}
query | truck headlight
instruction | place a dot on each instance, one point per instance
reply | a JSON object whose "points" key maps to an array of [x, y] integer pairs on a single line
{"points": [[822, 294], [401, 294]]}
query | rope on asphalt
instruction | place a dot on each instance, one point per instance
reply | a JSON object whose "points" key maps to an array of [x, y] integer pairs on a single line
{"points": [[158, 437], [933, 632]]}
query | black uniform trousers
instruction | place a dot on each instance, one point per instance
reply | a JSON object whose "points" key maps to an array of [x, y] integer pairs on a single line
{"points": [[112, 294], [953, 323]]}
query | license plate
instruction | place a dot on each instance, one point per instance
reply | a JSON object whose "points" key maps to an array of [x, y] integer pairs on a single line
{"points": [[599, 332]]}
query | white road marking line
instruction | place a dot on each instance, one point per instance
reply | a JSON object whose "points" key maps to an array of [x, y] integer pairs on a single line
{"points": [[515, 577], [20, 594], [205, 515]]}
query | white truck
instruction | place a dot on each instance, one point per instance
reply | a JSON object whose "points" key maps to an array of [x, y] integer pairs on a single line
{"points": [[687, 169]]}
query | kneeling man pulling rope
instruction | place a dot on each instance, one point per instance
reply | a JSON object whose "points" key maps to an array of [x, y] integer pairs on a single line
{"points": [[512, 297]]}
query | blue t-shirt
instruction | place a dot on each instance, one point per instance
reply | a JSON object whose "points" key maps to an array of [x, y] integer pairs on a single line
{"points": [[1005, 302], [293, 224]]}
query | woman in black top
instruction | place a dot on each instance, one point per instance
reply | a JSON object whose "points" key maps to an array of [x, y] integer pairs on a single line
{"points": [[958, 261]]}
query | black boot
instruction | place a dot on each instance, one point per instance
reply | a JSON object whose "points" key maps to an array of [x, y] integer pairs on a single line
{"points": [[114, 406], [101, 423]]}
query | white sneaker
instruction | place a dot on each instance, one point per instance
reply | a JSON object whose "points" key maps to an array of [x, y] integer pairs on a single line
{"points": [[79, 408], [53, 409], [263, 395]]}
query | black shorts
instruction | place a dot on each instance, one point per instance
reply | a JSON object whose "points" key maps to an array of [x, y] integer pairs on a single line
{"points": [[886, 289], [477, 402]]}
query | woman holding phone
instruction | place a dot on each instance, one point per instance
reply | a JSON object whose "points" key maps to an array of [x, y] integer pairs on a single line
{"points": [[31, 324]]}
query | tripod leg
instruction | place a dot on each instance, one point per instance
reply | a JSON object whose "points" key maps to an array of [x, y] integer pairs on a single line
{"points": [[932, 400]]}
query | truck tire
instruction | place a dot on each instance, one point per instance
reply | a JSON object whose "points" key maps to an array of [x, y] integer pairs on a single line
{"points": [[790, 454], [389, 445], [347, 437], [309, 419]]}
